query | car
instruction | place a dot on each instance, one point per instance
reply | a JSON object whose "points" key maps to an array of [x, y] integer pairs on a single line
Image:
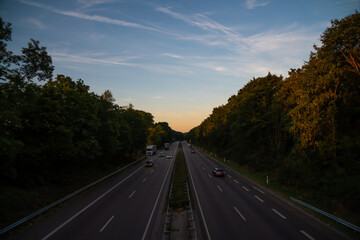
{"points": [[169, 156], [161, 154], [218, 172], [192, 151], [149, 163]]}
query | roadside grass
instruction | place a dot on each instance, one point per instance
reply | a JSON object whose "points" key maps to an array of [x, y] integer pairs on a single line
{"points": [[287, 192], [179, 199]]}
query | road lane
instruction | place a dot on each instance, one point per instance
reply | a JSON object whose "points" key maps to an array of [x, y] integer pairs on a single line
{"points": [[127, 206], [266, 216]]}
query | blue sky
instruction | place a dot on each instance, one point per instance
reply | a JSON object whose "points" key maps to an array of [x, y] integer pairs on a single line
{"points": [[175, 59]]}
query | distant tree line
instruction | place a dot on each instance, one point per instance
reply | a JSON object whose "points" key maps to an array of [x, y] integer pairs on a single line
{"points": [[50, 131], [303, 130]]}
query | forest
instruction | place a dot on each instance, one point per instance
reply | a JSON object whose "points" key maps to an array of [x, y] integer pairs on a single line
{"points": [[52, 128], [302, 130]]}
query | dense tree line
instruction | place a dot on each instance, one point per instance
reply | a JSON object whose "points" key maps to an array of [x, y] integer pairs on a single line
{"points": [[52, 128], [303, 130]]}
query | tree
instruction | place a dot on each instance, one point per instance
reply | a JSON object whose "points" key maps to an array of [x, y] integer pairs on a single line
{"points": [[36, 62], [6, 57]]}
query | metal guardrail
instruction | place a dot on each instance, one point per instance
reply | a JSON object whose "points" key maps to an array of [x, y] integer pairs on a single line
{"points": [[190, 216], [41, 211], [349, 225], [168, 216]]}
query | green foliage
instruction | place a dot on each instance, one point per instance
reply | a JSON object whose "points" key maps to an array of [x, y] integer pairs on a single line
{"points": [[179, 198], [305, 129], [161, 133], [50, 132]]}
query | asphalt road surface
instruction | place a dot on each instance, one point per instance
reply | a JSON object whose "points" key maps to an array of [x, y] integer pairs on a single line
{"points": [[127, 206], [233, 207]]}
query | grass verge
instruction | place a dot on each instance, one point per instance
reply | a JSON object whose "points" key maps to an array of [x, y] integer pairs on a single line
{"points": [[179, 200]]}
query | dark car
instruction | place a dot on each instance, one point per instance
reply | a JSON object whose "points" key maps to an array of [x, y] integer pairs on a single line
{"points": [[192, 151], [148, 163], [218, 172]]}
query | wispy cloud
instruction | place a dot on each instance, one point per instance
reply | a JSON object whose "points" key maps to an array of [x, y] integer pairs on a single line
{"points": [[36, 23], [251, 4], [199, 20], [102, 19], [173, 55], [91, 3], [220, 69], [57, 56], [129, 99], [217, 34], [95, 18]]}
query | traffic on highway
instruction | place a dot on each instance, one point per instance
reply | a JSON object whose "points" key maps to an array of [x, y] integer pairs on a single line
{"points": [[128, 206], [231, 206], [131, 205]]}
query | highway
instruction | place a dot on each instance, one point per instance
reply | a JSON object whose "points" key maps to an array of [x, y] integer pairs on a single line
{"points": [[128, 206], [233, 207]]}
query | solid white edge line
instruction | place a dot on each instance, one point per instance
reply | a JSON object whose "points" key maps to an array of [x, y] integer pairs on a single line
{"points": [[89, 205], [157, 199], [132, 194], [239, 213], [258, 198], [278, 213], [307, 235], [197, 198], [219, 188], [106, 223]]}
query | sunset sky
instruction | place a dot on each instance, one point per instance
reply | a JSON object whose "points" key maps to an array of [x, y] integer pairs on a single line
{"points": [[175, 59]]}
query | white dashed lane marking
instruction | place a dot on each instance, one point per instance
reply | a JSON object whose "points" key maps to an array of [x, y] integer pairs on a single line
{"points": [[277, 212], [307, 235], [239, 213], [107, 223], [258, 198], [132, 194], [258, 190]]}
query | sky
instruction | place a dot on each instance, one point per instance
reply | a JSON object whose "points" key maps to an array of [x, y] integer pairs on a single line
{"points": [[174, 59]]}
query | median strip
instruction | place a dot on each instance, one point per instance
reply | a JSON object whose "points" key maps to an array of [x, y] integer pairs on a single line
{"points": [[179, 204]]}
